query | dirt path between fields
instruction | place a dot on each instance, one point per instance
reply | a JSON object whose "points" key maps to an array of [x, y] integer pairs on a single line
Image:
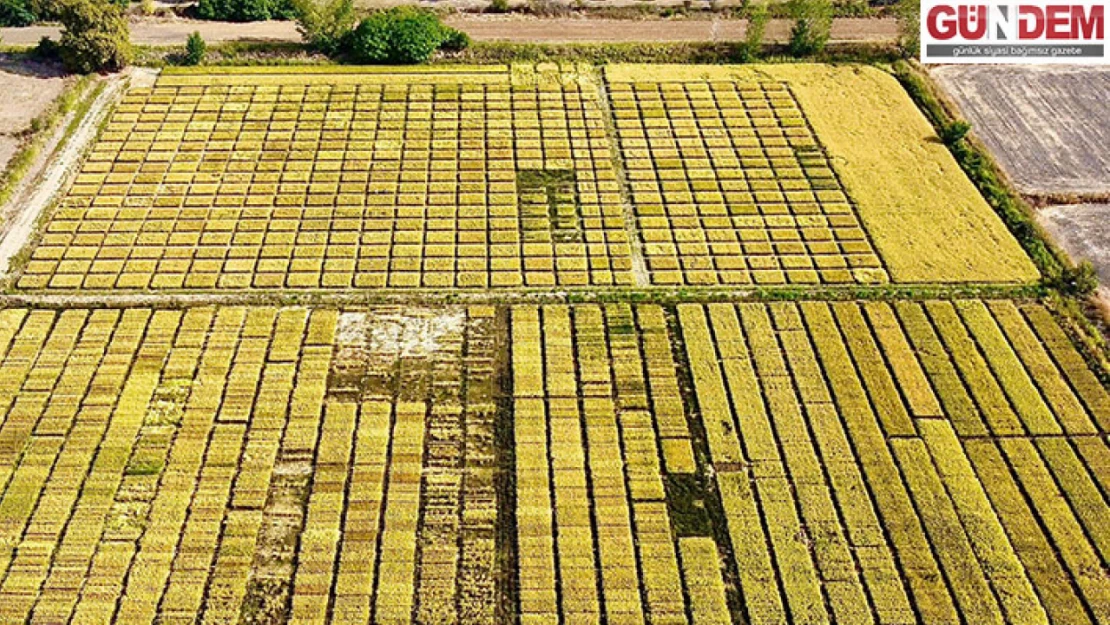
{"points": [[513, 28], [56, 163]]}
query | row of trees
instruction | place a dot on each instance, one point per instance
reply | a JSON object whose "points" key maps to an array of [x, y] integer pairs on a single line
{"points": [[96, 35]]}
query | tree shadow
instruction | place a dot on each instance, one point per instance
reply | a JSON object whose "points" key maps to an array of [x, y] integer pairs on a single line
{"points": [[25, 64]]}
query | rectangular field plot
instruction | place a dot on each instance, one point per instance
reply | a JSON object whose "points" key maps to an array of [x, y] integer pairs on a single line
{"points": [[935, 463], [248, 465], [730, 186], [601, 440], [333, 181]]}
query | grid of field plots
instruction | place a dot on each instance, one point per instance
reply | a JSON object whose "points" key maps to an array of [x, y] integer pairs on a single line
{"points": [[934, 463], [601, 439], [937, 462], [248, 465], [730, 186], [875, 463], [343, 180]]}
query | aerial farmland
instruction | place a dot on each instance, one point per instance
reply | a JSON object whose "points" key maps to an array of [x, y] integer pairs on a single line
{"points": [[541, 343]]}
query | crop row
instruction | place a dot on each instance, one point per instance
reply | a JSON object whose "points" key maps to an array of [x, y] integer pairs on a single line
{"points": [[932, 455], [165, 464], [599, 426]]}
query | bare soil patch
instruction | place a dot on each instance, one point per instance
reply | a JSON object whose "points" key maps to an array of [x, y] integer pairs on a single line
{"points": [[26, 90], [1083, 230], [1048, 126]]}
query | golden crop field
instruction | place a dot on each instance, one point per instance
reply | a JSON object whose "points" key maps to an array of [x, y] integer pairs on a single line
{"points": [[259, 464], [362, 180], [730, 186], [814, 462], [501, 177], [492, 345]]}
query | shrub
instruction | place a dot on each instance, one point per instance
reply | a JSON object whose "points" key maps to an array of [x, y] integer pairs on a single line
{"points": [[853, 8], [402, 34], [46, 50], [498, 6], [812, 24], [753, 34], [245, 10], [195, 49], [908, 13], [953, 132], [455, 40], [95, 38], [147, 8], [16, 13], [1078, 280], [325, 24]]}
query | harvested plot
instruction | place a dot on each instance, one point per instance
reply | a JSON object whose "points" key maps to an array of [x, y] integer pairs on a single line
{"points": [[1048, 126], [28, 91], [923, 217], [1083, 231], [355, 179]]}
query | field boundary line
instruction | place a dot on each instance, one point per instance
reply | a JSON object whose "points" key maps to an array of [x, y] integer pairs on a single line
{"points": [[635, 245]]}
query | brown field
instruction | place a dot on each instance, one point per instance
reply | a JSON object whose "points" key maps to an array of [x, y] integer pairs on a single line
{"points": [[1083, 230], [1049, 127], [25, 92]]}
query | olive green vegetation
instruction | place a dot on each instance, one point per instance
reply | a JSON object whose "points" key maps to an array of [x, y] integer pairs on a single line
{"points": [[95, 36], [195, 49], [400, 36], [254, 53]]}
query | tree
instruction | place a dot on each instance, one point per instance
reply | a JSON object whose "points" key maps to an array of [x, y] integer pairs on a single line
{"points": [[95, 36], [812, 25], [17, 13], [403, 34], [195, 49], [908, 13], [325, 24]]}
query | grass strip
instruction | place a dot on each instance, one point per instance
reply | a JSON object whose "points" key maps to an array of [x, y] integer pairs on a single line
{"points": [[75, 97]]}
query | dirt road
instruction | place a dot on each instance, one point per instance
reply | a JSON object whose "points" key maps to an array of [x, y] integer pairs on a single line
{"points": [[514, 28], [55, 165]]}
